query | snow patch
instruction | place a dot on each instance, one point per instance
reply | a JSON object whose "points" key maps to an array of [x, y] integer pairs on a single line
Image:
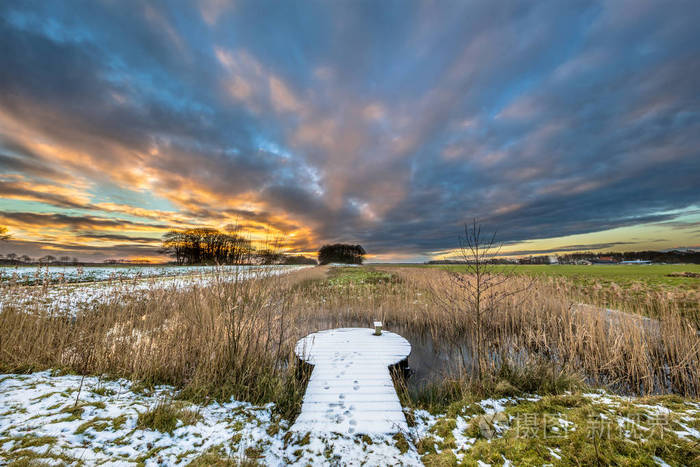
{"points": [[39, 405]]}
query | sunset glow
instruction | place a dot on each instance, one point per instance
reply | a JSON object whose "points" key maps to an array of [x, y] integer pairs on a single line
{"points": [[564, 126]]}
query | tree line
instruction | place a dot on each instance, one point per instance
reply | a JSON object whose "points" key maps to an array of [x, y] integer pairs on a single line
{"points": [[14, 258], [205, 245], [672, 256], [341, 253]]}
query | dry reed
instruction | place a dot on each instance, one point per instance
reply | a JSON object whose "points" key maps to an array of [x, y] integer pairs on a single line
{"points": [[235, 337]]}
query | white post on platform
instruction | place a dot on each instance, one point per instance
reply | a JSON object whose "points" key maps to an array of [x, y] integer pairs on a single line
{"points": [[377, 328]]}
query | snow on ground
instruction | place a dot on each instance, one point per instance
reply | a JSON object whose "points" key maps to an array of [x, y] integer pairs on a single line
{"points": [[493, 420], [38, 419], [494, 406], [34, 275], [62, 298]]}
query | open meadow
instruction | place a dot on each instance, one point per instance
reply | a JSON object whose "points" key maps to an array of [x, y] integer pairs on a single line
{"points": [[652, 275], [205, 374]]}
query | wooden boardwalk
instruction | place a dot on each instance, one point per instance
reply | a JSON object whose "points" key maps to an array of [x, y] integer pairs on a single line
{"points": [[350, 390]]}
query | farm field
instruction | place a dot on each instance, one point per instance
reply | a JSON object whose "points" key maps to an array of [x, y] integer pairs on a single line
{"points": [[654, 275], [204, 374]]}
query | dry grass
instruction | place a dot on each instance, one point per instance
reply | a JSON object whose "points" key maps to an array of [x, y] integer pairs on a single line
{"points": [[232, 337], [546, 323], [235, 337], [636, 297]]}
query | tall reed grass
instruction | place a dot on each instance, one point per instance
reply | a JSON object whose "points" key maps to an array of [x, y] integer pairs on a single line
{"points": [[229, 337], [235, 337], [623, 351]]}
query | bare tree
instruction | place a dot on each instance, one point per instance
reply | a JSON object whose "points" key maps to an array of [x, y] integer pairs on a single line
{"points": [[482, 286], [47, 259], [206, 246]]}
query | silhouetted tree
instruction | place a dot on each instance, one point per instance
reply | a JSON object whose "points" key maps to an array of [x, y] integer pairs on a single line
{"points": [[269, 256], [341, 253], [173, 245], [3, 233], [297, 259], [206, 245]]}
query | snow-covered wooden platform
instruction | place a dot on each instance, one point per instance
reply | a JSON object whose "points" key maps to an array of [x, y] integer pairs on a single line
{"points": [[350, 389]]}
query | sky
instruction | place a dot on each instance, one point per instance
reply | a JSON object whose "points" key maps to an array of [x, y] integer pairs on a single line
{"points": [[562, 126]]}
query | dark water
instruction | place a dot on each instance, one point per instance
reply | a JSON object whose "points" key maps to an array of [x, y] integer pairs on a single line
{"points": [[429, 361], [433, 360]]}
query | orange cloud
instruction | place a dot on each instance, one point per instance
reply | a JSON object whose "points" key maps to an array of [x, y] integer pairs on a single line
{"points": [[21, 188]]}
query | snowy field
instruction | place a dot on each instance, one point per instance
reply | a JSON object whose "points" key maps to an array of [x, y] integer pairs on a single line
{"points": [[60, 297], [53, 419], [37, 275], [40, 420]]}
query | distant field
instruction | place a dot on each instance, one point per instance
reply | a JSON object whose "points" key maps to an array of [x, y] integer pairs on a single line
{"points": [[34, 274], [71, 288], [651, 274]]}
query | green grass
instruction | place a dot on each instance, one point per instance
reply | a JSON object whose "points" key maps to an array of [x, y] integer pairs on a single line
{"points": [[344, 276], [655, 275], [577, 429], [165, 416], [216, 456], [32, 450], [98, 424]]}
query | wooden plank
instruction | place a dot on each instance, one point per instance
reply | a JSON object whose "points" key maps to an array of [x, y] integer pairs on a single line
{"points": [[350, 389]]}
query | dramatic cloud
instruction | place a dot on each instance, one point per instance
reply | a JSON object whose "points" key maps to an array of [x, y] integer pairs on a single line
{"points": [[384, 123]]}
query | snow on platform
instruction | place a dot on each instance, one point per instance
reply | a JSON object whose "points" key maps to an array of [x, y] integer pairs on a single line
{"points": [[350, 390]]}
